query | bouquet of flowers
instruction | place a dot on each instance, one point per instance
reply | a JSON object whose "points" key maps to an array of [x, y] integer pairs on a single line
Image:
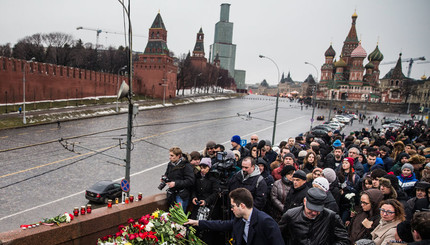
{"points": [[350, 197], [61, 218], [158, 228]]}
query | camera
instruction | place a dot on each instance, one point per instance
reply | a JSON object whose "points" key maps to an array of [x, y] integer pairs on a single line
{"points": [[199, 202], [224, 167], [163, 183]]}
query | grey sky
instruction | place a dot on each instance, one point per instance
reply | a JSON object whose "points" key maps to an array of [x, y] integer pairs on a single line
{"points": [[290, 32]]}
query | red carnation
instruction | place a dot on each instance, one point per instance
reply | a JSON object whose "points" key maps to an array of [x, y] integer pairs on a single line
{"points": [[130, 220], [132, 236]]}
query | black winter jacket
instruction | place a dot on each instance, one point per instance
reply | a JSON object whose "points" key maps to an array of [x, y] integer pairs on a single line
{"points": [[326, 229], [295, 197], [183, 176], [250, 182], [206, 188]]}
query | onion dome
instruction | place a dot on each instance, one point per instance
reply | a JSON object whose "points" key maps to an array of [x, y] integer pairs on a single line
{"points": [[423, 77], [330, 52], [369, 65], [359, 52], [376, 55], [340, 63]]}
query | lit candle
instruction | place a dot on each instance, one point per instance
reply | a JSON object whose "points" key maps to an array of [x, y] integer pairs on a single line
{"points": [[126, 200], [139, 197], [82, 210], [89, 208], [109, 203], [116, 200], [131, 198], [76, 211]]}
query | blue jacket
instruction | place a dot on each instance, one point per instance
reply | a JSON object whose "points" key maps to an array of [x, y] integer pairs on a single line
{"points": [[407, 183], [262, 229]]}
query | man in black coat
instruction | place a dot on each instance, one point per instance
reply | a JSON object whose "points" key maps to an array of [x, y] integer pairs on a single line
{"points": [[312, 223], [250, 178], [250, 225], [298, 192]]}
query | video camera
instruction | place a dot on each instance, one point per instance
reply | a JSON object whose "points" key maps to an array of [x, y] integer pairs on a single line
{"points": [[224, 166]]}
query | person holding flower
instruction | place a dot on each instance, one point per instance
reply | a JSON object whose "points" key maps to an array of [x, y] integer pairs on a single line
{"points": [[349, 182], [181, 178], [392, 213]]}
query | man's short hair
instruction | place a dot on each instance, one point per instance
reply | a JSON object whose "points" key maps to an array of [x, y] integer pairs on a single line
{"points": [[372, 154], [384, 148], [220, 146], [242, 195], [249, 159], [421, 223], [299, 138], [176, 150], [338, 148], [354, 149]]}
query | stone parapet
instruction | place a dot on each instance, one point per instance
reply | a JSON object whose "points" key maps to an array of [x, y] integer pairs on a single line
{"points": [[86, 229]]}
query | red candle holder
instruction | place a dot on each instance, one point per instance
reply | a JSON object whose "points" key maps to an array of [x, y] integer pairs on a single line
{"points": [[139, 196], [89, 208], [76, 211], [126, 200], [131, 198], [82, 210], [109, 203]]}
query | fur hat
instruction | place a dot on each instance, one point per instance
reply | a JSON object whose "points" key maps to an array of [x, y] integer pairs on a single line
{"points": [[329, 174], [417, 159], [387, 183], [236, 139], [237, 153], [303, 153], [210, 144]]}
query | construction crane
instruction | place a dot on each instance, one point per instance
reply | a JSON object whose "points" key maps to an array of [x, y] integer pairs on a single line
{"points": [[98, 31], [410, 60]]}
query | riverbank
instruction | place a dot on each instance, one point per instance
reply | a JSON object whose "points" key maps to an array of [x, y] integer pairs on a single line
{"points": [[63, 112]]}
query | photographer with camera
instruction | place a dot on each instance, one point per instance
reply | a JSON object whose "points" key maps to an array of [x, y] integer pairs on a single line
{"points": [[250, 178], [179, 177], [205, 191]]}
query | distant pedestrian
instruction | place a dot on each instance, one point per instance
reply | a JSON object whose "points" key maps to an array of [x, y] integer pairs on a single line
{"points": [[20, 109], [58, 125]]}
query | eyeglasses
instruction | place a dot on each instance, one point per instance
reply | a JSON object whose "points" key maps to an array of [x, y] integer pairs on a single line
{"points": [[364, 203], [253, 139], [210, 148], [386, 212]]}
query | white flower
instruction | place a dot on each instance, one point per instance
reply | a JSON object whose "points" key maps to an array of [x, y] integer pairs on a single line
{"points": [[149, 226], [165, 216], [350, 195], [68, 219]]}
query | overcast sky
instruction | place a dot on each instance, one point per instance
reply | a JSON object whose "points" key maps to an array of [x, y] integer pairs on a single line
{"points": [[288, 31]]}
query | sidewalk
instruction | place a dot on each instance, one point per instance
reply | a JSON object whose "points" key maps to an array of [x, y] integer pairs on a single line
{"points": [[53, 115]]}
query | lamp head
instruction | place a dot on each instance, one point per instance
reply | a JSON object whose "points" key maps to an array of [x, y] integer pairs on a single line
{"points": [[261, 56]]}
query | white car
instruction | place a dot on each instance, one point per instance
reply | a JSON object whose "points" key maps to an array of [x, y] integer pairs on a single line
{"points": [[342, 119], [336, 125]]}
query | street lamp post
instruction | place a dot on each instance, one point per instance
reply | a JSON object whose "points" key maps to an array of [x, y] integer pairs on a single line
{"points": [[331, 104], [367, 102], [117, 85], [24, 119], [277, 98], [130, 91], [313, 93]]}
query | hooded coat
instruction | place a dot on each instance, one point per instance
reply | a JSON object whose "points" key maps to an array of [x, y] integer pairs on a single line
{"points": [[254, 182], [356, 230]]}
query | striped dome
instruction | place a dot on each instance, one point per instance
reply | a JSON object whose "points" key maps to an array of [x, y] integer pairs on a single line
{"points": [[369, 65], [376, 55], [359, 52], [330, 52]]}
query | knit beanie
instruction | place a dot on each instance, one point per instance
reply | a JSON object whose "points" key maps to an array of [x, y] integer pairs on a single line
{"points": [[409, 166], [350, 160], [300, 174], [303, 153], [322, 182], [236, 139], [329, 174], [290, 155], [404, 231]]}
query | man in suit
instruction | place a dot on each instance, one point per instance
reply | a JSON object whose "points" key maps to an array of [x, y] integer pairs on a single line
{"points": [[250, 225]]}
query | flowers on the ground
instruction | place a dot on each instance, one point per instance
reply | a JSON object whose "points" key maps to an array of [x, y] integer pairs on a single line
{"points": [[158, 228]]}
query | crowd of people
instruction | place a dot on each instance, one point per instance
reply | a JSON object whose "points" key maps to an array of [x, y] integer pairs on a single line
{"points": [[367, 187]]}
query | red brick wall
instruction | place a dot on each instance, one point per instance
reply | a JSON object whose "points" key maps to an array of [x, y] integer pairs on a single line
{"points": [[52, 82]]}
